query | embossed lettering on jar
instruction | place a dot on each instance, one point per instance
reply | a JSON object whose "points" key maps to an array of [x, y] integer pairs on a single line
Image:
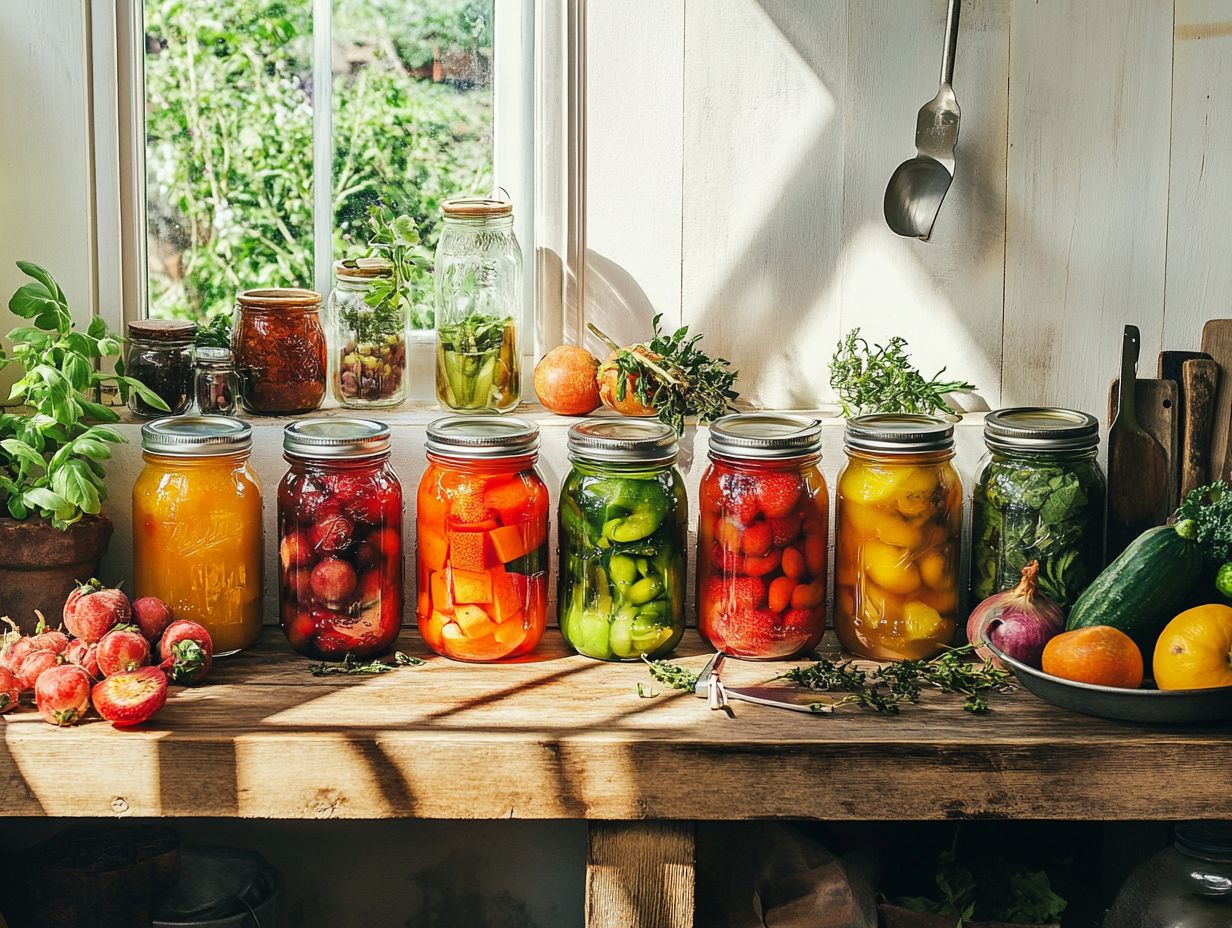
{"points": [[762, 531]]}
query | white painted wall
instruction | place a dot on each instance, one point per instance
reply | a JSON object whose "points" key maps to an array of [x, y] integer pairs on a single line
{"points": [[1093, 185]]}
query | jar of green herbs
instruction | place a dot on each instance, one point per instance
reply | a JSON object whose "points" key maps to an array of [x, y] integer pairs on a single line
{"points": [[369, 335], [1039, 496]]}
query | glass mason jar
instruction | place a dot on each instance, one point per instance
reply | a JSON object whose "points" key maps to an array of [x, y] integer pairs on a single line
{"points": [[198, 540], [369, 342], [340, 539], [899, 527], [1188, 885], [482, 520], [623, 528], [160, 355], [761, 535], [478, 307], [279, 349], [218, 385], [1039, 496]]}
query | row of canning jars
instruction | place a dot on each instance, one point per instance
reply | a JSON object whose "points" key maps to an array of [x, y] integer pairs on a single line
{"points": [[280, 358], [482, 531]]}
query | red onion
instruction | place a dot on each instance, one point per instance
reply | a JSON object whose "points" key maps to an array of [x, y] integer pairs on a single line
{"points": [[1019, 621]]}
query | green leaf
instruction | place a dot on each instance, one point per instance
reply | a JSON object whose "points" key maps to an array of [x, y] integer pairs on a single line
{"points": [[145, 393], [78, 370], [43, 498], [43, 276], [17, 509], [27, 455], [97, 327], [76, 484]]}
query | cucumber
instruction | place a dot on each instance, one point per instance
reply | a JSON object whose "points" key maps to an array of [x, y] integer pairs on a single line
{"points": [[1145, 586]]}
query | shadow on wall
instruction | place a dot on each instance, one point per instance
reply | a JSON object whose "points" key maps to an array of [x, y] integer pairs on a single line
{"points": [[616, 303], [786, 278]]}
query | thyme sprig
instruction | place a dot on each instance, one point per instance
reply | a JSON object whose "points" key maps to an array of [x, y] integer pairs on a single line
{"points": [[881, 378], [353, 666], [669, 674], [672, 375], [886, 688]]}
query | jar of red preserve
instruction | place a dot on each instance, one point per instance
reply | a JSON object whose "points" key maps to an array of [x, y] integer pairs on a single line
{"points": [[482, 521], [762, 534], [279, 350], [340, 539]]}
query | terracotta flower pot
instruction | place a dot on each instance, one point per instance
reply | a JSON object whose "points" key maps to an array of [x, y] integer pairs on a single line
{"points": [[39, 565]]}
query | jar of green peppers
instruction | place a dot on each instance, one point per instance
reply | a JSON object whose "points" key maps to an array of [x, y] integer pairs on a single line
{"points": [[623, 526], [1039, 496], [478, 307]]}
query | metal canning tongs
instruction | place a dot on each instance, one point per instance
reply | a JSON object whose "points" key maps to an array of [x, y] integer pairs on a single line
{"points": [[719, 695]]}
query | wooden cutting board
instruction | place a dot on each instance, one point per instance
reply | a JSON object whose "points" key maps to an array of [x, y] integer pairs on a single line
{"points": [[1217, 342], [1199, 385], [1128, 474]]}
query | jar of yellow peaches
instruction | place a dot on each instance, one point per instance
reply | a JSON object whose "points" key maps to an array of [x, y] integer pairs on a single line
{"points": [[899, 528]]}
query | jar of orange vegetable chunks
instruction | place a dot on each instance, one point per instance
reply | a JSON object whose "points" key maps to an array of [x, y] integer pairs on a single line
{"points": [[761, 533], [899, 529], [483, 539]]}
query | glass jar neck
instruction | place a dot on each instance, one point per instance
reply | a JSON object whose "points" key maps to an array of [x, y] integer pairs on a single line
{"points": [[592, 468], [367, 462], [479, 223], [502, 465], [905, 458], [159, 344], [1034, 455], [802, 462], [180, 462]]}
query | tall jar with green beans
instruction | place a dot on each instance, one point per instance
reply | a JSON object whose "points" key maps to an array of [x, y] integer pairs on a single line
{"points": [[1039, 496], [623, 526], [478, 307]]}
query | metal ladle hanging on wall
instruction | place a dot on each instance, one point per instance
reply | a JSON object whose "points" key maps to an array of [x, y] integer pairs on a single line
{"points": [[918, 185]]}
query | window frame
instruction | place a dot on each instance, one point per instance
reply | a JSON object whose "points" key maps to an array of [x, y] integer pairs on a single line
{"points": [[539, 157]]}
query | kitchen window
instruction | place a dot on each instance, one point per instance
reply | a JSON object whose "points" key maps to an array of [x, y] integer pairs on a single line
{"points": [[257, 136]]}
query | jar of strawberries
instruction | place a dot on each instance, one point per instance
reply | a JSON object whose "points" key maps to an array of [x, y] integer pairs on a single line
{"points": [[340, 531], [762, 531], [899, 525], [482, 520]]}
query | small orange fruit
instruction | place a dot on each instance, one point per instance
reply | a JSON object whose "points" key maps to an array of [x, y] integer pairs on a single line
{"points": [[1194, 651], [565, 381], [609, 386], [1101, 655]]}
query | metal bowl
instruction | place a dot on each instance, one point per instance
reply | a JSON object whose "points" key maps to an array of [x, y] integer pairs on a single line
{"points": [[1161, 707]]}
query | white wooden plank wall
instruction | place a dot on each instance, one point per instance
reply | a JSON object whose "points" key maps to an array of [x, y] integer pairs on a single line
{"points": [[1094, 184]]}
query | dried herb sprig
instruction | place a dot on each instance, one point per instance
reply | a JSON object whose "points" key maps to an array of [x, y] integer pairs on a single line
{"points": [[881, 378], [885, 688], [671, 374], [673, 675], [353, 666]]}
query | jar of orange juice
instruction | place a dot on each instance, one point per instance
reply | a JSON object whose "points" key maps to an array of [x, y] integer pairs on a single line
{"points": [[761, 537], [198, 541], [899, 527], [482, 520]]}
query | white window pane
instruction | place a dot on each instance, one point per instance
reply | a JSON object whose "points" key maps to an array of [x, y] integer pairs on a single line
{"points": [[412, 117], [228, 123]]}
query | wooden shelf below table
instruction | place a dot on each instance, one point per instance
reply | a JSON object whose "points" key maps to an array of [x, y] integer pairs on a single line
{"points": [[562, 736]]}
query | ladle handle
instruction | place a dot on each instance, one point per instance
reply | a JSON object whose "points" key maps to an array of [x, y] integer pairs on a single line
{"points": [[951, 43]]}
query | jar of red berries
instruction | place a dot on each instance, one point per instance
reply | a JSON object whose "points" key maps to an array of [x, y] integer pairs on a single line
{"points": [[340, 539], [762, 534]]}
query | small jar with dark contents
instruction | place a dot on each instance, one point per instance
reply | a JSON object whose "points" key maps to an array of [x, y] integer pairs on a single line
{"points": [[160, 356], [218, 384]]}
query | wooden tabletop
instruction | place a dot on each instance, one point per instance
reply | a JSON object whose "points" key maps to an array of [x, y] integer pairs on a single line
{"points": [[561, 736]]}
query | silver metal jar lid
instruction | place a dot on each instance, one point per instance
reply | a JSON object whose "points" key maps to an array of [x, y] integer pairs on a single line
{"points": [[1040, 428], [335, 438], [624, 441], [214, 357], [196, 436], [482, 437], [765, 436], [899, 433]]}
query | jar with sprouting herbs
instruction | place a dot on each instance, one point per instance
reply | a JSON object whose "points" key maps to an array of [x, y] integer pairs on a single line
{"points": [[478, 307], [1039, 496], [369, 335]]}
